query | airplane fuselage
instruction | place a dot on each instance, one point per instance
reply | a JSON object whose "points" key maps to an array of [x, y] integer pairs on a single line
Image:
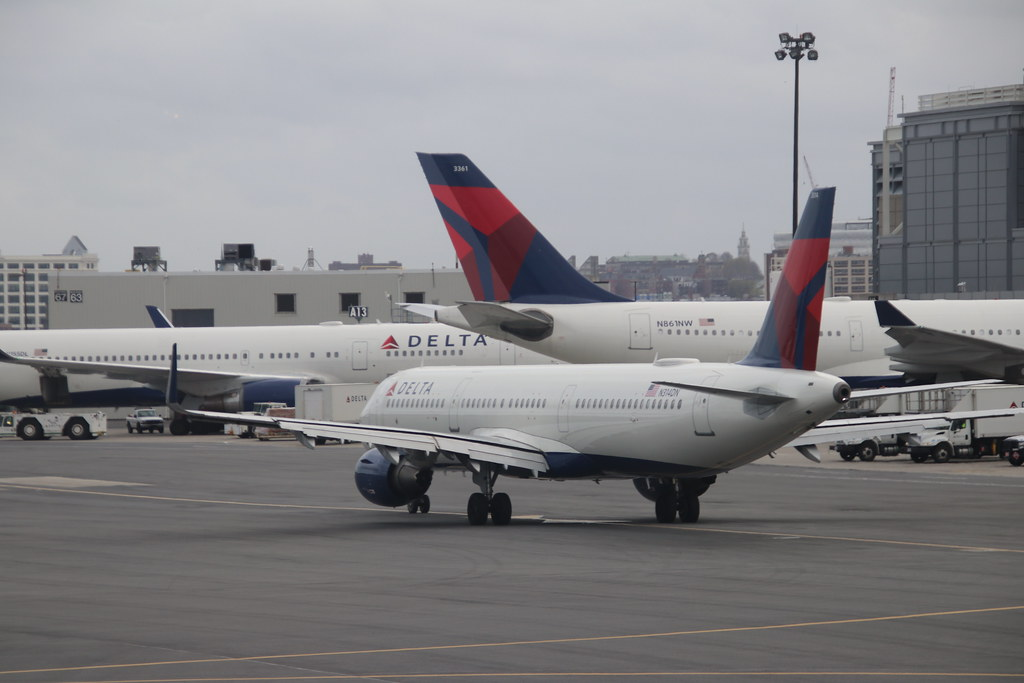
{"points": [[327, 353], [851, 343], [596, 421]]}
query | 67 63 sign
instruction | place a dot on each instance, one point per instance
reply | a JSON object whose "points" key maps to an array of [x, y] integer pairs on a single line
{"points": [[74, 296]]}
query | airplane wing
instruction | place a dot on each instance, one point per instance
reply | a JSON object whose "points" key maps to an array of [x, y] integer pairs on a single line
{"points": [[197, 382], [497, 446], [490, 318], [925, 350]]}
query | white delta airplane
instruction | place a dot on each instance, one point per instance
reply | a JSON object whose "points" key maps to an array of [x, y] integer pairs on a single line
{"points": [[528, 294], [226, 368], [672, 426]]}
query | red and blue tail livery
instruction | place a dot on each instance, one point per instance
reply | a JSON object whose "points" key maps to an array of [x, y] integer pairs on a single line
{"points": [[503, 255], [789, 337]]}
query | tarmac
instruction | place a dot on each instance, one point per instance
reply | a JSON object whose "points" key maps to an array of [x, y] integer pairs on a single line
{"points": [[159, 558]]}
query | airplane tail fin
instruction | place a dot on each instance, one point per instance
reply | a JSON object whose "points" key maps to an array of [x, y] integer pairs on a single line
{"points": [[157, 316], [504, 257], [789, 335]]}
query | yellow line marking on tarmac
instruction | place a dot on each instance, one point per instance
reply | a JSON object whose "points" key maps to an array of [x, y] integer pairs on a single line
{"points": [[573, 674], [173, 499], [848, 539], [616, 522], [549, 641]]}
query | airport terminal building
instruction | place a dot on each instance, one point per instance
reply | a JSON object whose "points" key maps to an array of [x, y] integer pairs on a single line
{"points": [[237, 298]]}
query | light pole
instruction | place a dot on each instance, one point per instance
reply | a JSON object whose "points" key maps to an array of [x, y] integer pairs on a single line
{"points": [[794, 47]]}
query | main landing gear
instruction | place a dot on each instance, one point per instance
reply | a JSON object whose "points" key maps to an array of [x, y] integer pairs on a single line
{"points": [[486, 501], [680, 496]]}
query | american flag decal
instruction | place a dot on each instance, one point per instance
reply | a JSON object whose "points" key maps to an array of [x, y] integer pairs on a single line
{"points": [[652, 390], [707, 322], [39, 352]]}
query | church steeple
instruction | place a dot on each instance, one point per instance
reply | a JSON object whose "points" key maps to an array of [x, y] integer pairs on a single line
{"points": [[743, 250]]}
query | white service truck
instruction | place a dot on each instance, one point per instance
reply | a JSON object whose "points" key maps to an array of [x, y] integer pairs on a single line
{"points": [[976, 437], [32, 426]]}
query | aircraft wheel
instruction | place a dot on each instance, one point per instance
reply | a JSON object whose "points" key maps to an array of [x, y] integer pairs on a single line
{"points": [[665, 507], [501, 509], [689, 508], [942, 453], [421, 504], [1016, 458], [477, 509], [179, 427]]}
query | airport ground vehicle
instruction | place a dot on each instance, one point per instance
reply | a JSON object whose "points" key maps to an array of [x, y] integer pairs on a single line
{"points": [[337, 402], [32, 427], [144, 420], [867, 449], [1013, 450], [971, 438]]}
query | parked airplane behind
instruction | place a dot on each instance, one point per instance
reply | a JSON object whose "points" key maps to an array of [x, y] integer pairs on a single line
{"points": [[225, 368], [674, 425], [507, 260]]}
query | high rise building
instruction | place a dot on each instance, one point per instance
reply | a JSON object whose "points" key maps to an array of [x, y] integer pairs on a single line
{"points": [[949, 197]]}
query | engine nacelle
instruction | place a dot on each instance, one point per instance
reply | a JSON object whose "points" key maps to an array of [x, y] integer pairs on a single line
{"points": [[250, 393], [389, 485]]}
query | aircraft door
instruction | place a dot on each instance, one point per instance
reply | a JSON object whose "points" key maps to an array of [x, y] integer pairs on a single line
{"points": [[359, 355], [563, 408], [453, 409], [506, 353], [701, 410], [856, 334], [639, 331]]}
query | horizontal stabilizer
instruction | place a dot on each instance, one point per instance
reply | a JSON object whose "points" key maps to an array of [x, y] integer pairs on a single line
{"points": [[725, 391], [865, 427]]}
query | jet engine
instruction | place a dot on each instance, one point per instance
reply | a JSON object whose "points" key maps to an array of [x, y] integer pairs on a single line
{"points": [[383, 483], [250, 393]]}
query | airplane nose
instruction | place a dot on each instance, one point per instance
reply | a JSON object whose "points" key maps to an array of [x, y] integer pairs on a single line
{"points": [[841, 392]]}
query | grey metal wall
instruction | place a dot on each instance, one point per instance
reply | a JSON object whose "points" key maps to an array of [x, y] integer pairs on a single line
{"points": [[106, 300], [963, 213]]}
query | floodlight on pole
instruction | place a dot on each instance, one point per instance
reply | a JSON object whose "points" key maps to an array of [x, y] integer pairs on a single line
{"points": [[795, 47]]}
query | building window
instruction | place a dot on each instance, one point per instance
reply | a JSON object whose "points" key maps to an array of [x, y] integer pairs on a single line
{"points": [[347, 301], [284, 303], [414, 297]]}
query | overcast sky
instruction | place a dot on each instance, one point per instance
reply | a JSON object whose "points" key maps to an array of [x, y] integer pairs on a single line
{"points": [[616, 127]]}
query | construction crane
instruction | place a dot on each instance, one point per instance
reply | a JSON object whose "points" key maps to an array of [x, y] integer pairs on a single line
{"points": [[811, 177], [892, 94]]}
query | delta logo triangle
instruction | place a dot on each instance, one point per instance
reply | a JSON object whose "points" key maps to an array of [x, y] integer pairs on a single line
{"points": [[389, 343]]}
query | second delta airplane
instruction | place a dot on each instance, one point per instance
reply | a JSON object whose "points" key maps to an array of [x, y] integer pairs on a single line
{"points": [[528, 294]]}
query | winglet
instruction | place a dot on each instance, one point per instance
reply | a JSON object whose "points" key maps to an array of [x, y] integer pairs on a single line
{"points": [[157, 316], [504, 257], [890, 316], [789, 335]]}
